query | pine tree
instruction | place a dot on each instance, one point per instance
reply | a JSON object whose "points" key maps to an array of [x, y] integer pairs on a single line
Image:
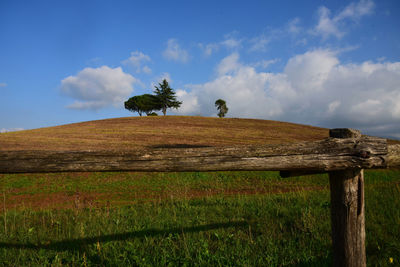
{"points": [[166, 97]]}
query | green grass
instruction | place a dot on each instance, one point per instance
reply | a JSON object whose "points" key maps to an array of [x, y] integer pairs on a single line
{"points": [[202, 219]]}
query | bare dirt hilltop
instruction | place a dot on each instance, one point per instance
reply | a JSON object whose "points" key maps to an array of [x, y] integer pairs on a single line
{"points": [[170, 131]]}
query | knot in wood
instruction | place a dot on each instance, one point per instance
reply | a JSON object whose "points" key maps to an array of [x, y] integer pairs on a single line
{"points": [[365, 154]]}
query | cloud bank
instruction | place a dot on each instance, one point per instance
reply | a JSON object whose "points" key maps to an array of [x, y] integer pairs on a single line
{"points": [[95, 88], [314, 88]]}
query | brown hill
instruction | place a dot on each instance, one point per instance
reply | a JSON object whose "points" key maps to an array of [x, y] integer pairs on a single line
{"points": [[170, 131]]}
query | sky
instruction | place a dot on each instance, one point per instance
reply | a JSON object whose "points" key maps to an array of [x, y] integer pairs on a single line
{"points": [[325, 63]]}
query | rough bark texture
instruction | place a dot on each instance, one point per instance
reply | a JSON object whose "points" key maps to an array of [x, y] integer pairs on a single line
{"points": [[347, 214], [393, 156], [327, 155]]}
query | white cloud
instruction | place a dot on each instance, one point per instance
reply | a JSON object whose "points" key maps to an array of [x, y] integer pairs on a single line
{"points": [[355, 11], [293, 26], [228, 64], [309, 71], [334, 26], [265, 63], [175, 52], [146, 70], [333, 106], [96, 61], [291, 29], [259, 43], [3, 84], [136, 60], [4, 130], [190, 102], [326, 26], [95, 88], [209, 49], [314, 88], [230, 42]]}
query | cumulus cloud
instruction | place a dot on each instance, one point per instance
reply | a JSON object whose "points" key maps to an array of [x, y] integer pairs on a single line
{"points": [[228, 64], [175, 52], [314, 88], [334, 26], [95, 88], [190, 102], [3, 84], [4, 130], [137, 60]]}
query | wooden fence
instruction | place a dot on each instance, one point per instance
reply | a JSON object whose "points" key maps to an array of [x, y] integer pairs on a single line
{"points": [[344, 156]]}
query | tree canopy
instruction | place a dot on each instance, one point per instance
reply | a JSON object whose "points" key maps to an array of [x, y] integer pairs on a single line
{"points": [[146, 103], [166, 96], [221, 106]]}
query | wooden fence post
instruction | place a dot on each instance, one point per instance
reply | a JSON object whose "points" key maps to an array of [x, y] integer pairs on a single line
{"points": [[347, 211]]}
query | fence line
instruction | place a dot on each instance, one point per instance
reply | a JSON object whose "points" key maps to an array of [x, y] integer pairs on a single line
{"points": [[344, 156], [331, 154]]}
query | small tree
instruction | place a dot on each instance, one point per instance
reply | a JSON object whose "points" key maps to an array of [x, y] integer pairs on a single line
{"points": [[221, 106], [132, 105], [143, 104], [166, 96]]}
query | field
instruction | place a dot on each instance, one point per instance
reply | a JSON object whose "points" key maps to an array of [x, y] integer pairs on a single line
{"points": [[137, 132], [178, 219]]}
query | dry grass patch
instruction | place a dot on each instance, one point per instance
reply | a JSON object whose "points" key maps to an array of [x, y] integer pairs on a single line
{"points": [[137, 132]]}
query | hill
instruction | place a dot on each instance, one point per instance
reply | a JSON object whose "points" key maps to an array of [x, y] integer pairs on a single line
{"points": [[170, 131]]}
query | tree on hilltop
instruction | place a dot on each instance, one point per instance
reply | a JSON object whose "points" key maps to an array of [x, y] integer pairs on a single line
{"points": [[143, 104], [166, 96], [221, 106]]}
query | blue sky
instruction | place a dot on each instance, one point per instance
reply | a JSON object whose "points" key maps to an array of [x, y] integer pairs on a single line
{"points": [[323, 63]]}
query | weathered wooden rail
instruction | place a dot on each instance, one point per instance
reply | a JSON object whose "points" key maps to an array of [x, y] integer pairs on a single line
{"points": [[344, 156]]}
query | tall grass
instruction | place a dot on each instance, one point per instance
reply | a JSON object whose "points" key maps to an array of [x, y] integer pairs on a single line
{"points": [[262, 229]]}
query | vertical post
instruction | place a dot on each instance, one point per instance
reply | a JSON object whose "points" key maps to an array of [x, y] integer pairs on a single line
{"points": [[347, 211]]}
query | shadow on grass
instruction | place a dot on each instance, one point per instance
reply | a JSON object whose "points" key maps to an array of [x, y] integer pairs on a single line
{"points": [[79, 244]]}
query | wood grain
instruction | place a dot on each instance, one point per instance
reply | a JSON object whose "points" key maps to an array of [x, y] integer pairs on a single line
{"points": [[347, 210], [393, 157], [319, 156]]}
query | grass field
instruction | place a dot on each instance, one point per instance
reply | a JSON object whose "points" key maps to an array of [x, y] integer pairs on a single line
{"points": [[158, 219], [180, 219]]}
